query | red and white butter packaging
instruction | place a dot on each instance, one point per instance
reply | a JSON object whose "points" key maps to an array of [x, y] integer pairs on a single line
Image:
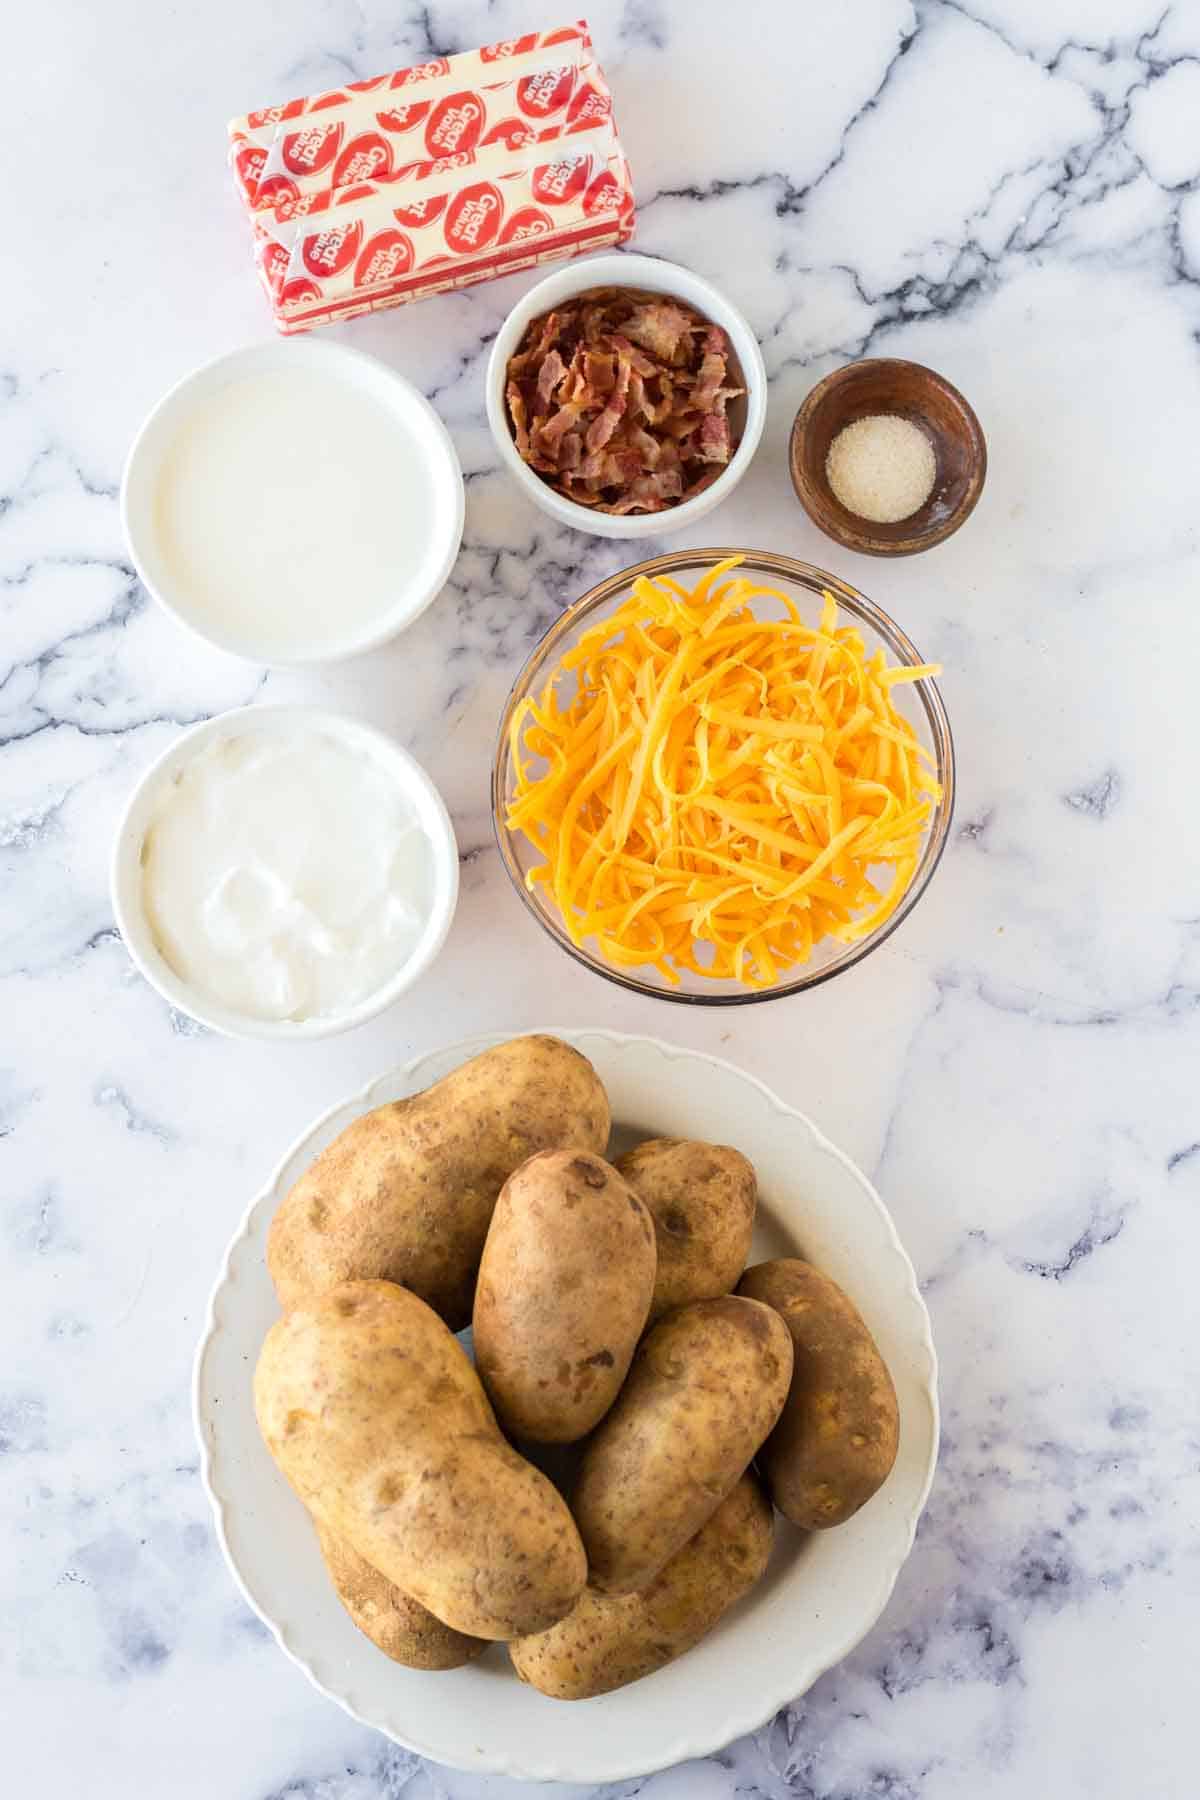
{"points": [[432, 178]]}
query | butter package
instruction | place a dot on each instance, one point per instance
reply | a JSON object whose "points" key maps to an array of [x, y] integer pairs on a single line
{"points": [[392, 246], [431, 107], [435, 177]]}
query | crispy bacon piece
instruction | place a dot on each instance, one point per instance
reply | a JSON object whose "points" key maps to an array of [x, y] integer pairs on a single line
{"points": [[549, 432], [599, 370], [661, 326], [639, 362], [648, 493], [619, 400], [601, 429], [549, 376], [713, 438], [519, 417], [548, 329], [711, 373]]}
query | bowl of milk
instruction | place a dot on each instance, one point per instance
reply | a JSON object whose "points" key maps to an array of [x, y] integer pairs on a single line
{"points": [[293, 503]]}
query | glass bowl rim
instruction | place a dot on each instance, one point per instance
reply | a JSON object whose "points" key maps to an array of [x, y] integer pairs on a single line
{"points": [[850, 599]]}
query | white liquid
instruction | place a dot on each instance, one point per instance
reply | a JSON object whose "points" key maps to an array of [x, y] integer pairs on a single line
{"points": [[292, 512], [286, 878]]}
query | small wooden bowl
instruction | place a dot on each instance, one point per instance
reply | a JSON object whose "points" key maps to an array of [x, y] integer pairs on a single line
{"points": [[911, 391]]}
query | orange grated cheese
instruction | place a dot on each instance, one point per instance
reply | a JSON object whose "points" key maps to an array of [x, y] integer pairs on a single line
{"points": [[722, 791]]}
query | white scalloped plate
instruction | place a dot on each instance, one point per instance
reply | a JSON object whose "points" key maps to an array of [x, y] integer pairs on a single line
{"points": [[820, 1595]]}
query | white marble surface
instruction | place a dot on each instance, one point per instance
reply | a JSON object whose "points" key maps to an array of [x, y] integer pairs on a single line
{"points": [[1004, 190]]}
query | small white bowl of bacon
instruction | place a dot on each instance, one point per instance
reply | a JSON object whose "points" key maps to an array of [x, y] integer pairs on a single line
{"points": [[626, 395]]}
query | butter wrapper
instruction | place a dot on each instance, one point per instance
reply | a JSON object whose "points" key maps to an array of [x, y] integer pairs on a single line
{"points": [[432, 178], [510, 92], [368, 253]]}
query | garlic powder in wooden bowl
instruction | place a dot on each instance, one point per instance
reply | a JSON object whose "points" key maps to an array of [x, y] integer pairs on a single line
{"points": [[881, 468]]}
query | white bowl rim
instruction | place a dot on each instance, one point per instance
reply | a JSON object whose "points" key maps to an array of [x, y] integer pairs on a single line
{"points": [[618, 269], [134, 928], [334, 357], [700, 1744]]}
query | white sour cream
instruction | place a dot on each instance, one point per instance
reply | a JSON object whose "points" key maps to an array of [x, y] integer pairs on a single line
{"points": [[285, 877], [292, 512]]}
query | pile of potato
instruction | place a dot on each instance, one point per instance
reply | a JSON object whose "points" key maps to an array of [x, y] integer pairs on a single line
{"points": [[610, 1311]]}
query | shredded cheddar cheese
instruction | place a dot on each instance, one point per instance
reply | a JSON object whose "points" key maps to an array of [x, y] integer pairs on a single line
{"points": [[721, 791]]}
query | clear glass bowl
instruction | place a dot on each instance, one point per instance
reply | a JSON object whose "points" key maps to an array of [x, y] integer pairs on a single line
{"points": [[919, 702]]}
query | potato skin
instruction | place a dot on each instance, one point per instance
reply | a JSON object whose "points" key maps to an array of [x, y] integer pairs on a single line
{"points": [[374, 1414], [563, 1293], [405, 1193], [702, 1198], [609, 1640], [706, 1386], [839, 1431], [395, 1623]]}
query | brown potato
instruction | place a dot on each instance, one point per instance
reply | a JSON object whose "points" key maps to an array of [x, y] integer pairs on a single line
{"points": [[406, 1193], [705, 1388], [609, 1640], [374, 1414], [702, 1199], [396, 1623], [839, 1431], [562, 1297]]}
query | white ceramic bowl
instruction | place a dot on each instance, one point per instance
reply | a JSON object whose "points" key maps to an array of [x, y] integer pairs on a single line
{"points": [[126, 883], [822, 1591], [414, 418], [654, 276]]}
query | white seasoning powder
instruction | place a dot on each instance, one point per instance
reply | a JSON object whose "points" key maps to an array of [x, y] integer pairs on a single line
{"points": [[882, 468]]}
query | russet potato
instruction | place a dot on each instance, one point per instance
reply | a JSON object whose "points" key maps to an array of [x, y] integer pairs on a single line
{"points": [[702, 1198], [374, 1414], [608, 1640], [396, 1623], [563, 1293], [406, 1192], [705, 1388], [839, 1431]]}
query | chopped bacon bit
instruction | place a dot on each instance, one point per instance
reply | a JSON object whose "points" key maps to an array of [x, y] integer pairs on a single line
{"points": [[708, 381], [639, 362], [649, 493], [549, 376], [647, 447], [531, 356], [681, 424], [520, 418], [599, 370], [657, 413], [601, 429], [549, 432], [661, 327], [618, 399], [714, 438]]}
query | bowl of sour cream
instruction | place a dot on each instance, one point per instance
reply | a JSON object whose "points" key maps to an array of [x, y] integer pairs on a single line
{"points": [[284, 872], [293, 503]]}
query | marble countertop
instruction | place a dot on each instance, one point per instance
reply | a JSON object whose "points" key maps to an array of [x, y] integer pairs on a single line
{"points": [[1005, 191]]}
